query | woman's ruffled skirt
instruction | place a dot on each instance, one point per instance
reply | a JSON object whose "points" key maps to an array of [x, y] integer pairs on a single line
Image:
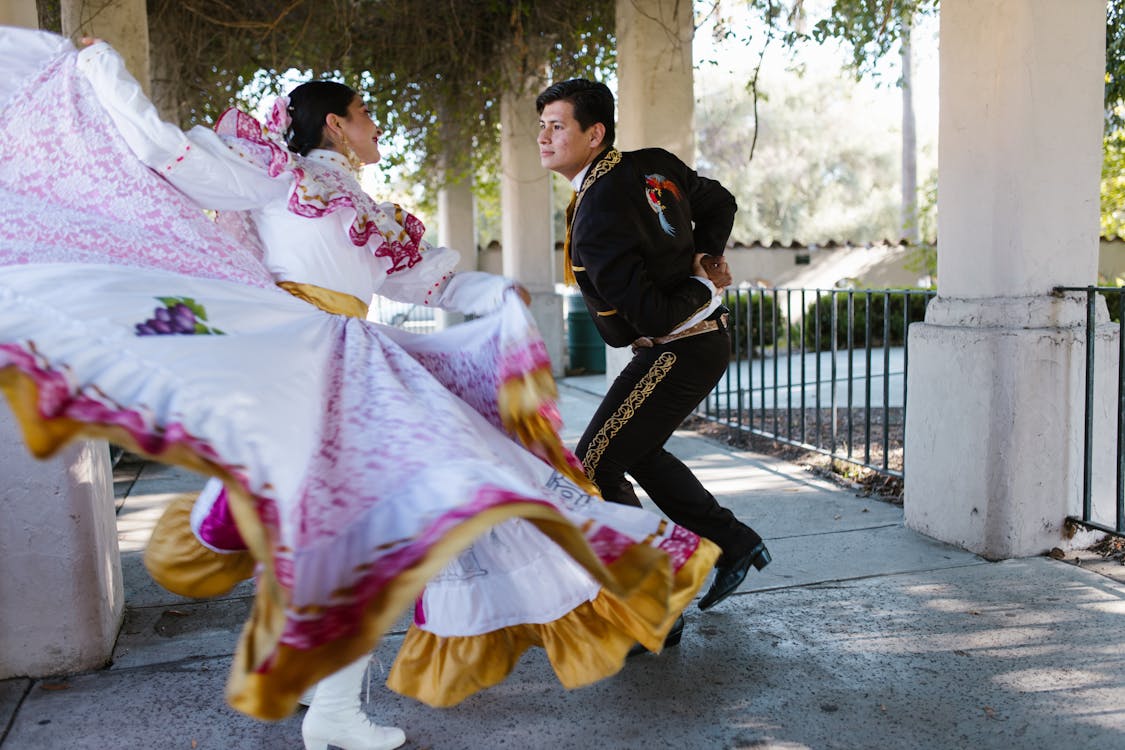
{"points": [[367, 470]]}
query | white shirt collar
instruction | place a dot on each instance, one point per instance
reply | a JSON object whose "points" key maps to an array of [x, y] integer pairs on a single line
{"points": [[576, 183], [331, 158]]}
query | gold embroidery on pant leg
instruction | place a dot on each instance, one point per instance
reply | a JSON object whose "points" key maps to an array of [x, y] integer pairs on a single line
{"points": [[659, 370]]}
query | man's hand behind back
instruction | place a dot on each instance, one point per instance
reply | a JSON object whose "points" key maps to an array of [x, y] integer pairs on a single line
{"points": [[715, 268]]}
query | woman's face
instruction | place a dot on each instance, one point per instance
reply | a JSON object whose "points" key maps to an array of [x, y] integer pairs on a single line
{"points": [[359, 129]]}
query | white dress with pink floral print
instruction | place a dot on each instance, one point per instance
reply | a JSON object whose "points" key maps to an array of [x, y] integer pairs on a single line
{"points": [[368, 468]]}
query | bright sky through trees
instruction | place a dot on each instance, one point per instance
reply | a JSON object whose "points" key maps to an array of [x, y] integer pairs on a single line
{"points": [[826, 163]]}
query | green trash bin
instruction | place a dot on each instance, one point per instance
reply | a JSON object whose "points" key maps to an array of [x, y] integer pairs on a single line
{"points": [[587, 350]]}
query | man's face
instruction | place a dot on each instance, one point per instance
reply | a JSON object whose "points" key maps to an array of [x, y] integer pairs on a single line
{"points": [[564, 147]]}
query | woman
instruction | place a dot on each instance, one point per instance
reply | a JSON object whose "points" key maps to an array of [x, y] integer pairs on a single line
{"points": [[361, 466]]}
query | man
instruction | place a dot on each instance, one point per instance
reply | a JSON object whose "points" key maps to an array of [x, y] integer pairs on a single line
{"points": [[645, 235]]}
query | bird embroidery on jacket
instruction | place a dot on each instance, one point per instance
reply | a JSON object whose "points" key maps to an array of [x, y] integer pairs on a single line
{"points": [[655, 185]]}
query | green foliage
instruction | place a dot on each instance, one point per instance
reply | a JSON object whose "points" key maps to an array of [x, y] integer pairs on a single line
{"points": [[922, 257], [486, 190], [1115, 65], [1113, 184], [872, 29], [756, 321], [433, 76], [823, 168], [1112, 300], [818, 322], [50, 15], [1113, 304]]}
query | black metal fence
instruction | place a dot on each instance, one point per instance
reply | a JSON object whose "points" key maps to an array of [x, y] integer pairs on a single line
{"points": [[821, 369], [406, 315], [1114, 382]]}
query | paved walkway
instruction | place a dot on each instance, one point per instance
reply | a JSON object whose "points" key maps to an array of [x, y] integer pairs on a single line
{"points": [[861, 634]]}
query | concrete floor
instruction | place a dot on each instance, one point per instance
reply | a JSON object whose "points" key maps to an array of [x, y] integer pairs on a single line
{"points": [[861, 634]]}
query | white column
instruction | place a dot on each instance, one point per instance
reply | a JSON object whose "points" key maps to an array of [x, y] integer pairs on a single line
{"points": [[525, 206], [21, 13], [122, 23], [655, 85], [61, 591], [994, 424], [456, 222], [456, 229], [655, 91]]}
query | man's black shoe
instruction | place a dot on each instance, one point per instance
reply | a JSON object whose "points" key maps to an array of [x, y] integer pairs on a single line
{"points": [[670, 640], [729, 577]]}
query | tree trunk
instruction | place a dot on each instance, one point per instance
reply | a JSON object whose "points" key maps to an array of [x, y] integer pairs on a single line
{"points": [[50, 15], [170, 87], [909, 143]]}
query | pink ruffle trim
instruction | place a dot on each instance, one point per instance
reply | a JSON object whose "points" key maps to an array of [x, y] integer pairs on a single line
{"points": [[401, 245]]}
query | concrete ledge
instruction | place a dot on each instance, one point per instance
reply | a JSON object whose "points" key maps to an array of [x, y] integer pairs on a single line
{"points": [[61, 594], [994, 435], [1037, 311]]}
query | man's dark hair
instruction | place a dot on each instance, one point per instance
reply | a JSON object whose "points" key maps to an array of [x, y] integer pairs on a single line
{"points": [[309, 105], [592, 102]]}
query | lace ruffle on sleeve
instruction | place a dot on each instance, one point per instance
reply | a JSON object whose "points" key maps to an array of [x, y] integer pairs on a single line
{"points": [[198, 163]]}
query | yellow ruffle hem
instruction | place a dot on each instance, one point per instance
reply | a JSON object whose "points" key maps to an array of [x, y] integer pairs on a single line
{"points": [[178, 561], [587, 644], [639, 601], [519, 403]]}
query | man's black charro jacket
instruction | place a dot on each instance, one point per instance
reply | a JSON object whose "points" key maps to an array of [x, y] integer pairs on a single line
{"points": [[638, 221]]}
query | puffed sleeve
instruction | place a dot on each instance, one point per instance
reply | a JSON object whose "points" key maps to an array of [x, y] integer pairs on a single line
{"points": [[434, 283], [198, 163], [475, 292]]}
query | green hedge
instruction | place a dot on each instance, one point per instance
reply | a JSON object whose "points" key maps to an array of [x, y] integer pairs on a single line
{"points": [[753, 316], [1113, 304], [859, 299]]}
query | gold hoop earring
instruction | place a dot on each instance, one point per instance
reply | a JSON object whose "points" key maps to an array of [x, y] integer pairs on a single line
{"points": [[349, 153]]}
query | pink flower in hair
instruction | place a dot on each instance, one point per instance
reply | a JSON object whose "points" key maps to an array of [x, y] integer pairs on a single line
{"points": [[278, 119]]}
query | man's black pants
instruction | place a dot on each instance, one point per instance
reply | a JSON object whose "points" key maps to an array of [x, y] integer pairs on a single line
{"points": [[651, 397]]}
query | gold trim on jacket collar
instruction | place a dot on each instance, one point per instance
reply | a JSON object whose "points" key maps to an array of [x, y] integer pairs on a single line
{"points": [[611, 159]]}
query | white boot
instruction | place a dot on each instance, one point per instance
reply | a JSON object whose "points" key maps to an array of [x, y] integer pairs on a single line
{"points": [[307, 696], [336, 718]]}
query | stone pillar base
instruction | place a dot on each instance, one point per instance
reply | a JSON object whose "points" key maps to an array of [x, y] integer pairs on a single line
{"points": [[547, 309], [615, 360], [994, 431], [61, 593]]}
